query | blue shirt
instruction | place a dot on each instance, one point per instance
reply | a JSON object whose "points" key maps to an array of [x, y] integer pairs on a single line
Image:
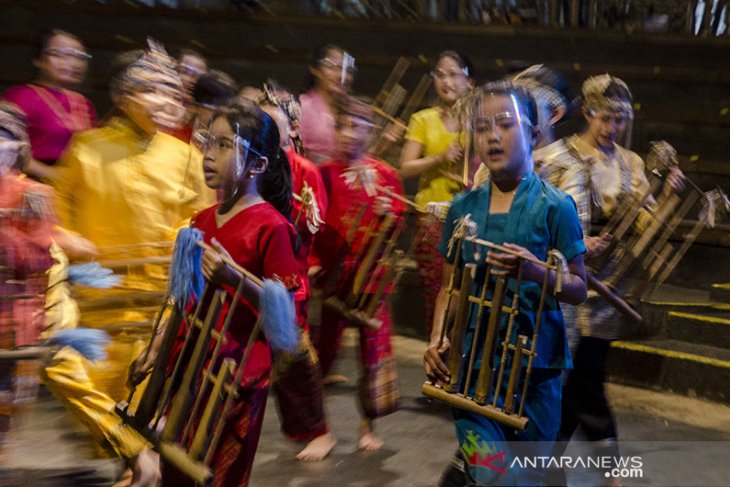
{"points": [[540, 218]]}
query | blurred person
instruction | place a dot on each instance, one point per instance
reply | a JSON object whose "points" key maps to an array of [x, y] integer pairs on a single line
{"points": [[598, 173], [331, 71], [54, 110], [125, 184], [33, 277], [26, 226], [191, 66], [433, 148], [212, 91], [554, 104], [348, 180]]}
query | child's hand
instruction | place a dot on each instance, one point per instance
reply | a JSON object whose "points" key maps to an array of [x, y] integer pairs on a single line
{"points": [[507, 264], [383, 205], [215, 269]]}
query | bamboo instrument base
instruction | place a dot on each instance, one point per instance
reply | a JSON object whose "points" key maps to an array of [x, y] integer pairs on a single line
{"points": [[459, 401], [28, 353], [178, 458]]}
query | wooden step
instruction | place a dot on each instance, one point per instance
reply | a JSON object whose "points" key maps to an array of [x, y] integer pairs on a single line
{"points": [[671, 365], [707, 328]]}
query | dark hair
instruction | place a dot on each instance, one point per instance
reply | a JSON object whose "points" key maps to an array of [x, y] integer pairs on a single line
{"points": [[462, 60], [118, 66], [316, 57], [320, 53], [523, 97], [42, 41], [253, 124], [616, 91], [214, 88], [355, 106]]}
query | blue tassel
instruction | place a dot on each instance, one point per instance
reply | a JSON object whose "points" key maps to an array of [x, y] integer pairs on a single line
{"points": [[89, 342], [93, 274], [278, 317], [186, 271]]}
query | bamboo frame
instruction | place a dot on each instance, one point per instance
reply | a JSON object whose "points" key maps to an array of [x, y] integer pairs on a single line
{"points": [[356, 294], [499, 393], [637, 263], [197, 396]]}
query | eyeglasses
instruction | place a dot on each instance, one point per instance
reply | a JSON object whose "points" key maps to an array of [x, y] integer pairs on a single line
{"points": [[327, 63], [67, 52], [204, 139], [501, 121], [442, 75]]}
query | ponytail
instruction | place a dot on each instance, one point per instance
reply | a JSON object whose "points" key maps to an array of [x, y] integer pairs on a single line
{"points": [[275, 184]]}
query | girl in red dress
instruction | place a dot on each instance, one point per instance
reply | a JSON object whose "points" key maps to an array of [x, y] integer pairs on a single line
{"points": [[251, 226], [352, 182]]}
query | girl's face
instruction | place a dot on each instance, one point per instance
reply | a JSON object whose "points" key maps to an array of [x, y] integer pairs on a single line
{"points": [[64, 61], [155, 103], [450, 80], [219, 156], [353, 134], [503, 136], [328, 73], [605, 127]]}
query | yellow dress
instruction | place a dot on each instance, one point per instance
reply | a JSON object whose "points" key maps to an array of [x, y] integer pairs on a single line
{"points": [[127, 193]]}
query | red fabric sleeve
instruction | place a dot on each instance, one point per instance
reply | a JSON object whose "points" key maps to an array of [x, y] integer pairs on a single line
{"points": [[277, 248]]}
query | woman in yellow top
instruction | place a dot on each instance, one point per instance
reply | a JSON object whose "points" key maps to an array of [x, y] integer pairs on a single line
{"points": [[433, 151]]}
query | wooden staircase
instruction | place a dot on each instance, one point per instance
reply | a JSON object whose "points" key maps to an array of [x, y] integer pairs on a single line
{"points": [[686, 349]]}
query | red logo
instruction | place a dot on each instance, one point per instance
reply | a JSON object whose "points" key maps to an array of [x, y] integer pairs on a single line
{"points": [[477, 459]]}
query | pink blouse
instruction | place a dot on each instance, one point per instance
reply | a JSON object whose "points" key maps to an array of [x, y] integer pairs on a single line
{"points": [[53, 117], [317, 128]]}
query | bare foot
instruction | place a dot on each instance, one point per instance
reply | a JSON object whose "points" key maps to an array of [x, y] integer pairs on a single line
{"points": [[318, 448], [146, 469], [334, 379], [368, 440]]}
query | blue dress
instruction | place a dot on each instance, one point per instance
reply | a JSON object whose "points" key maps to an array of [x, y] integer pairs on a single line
{"points": [[540, 218]]}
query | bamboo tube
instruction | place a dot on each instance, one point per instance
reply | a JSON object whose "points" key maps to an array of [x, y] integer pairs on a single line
{"points": [[486, 371], [456, 355]]}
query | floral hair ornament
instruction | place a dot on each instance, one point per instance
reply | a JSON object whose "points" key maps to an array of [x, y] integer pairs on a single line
{"points": [[594, 95]]}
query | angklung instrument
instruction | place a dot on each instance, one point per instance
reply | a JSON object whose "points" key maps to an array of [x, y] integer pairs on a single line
{"points": [[388, 102], [357, 293], [491, 306], [638, 260], [183, 408], [368, 259]]}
